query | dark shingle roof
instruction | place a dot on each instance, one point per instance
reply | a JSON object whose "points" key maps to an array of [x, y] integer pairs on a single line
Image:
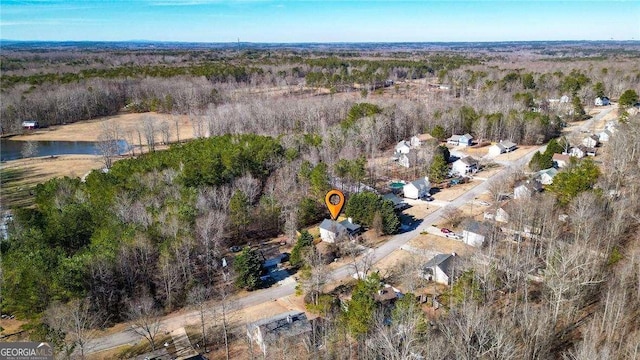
{"points": [[285, 325]]}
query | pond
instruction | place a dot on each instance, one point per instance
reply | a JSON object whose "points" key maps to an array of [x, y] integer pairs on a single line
{"points": [[12, 149]]}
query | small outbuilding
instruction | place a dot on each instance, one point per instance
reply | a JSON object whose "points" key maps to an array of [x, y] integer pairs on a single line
{"points": [[30, 124]]}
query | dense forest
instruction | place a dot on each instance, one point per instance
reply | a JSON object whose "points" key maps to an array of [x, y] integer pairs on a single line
{"points": [[157, 226]]}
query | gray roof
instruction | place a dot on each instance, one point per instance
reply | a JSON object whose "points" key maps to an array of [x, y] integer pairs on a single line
{"points": [[531, 185], [402, 143], [284, 325], [468, 136], [507, 144], [455, 137], [336, 227], [477, 227], [394, 199], [550, 171], [468, 160], [443, 261]]}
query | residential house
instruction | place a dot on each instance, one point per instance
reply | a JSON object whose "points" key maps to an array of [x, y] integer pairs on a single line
{"points": [[417, 189], [440, 269], [454, 140], [290, 326], [461, 140], [464, 166], [591, 141], [397, 202], [604, 136], [475, 232], [560, 160], [502, 147], [387, 295], [30, 124], [602, 101], [578, 151], [331, 230], [403, 147], [546, 176], [526, 189], [498, 214]]}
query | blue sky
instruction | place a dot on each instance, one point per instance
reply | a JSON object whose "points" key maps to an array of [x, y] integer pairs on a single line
{"points": [[319, 20]]}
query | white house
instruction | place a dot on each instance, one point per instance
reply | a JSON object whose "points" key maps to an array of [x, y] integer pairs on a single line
{"points": [[403, 147], [591, 141], [577, 151], [602, 101], [454, 140], [502, 147], [289, 326], [526, 189], [440, 269], [331, 230], [475, 233], [604, 136], [466, 165], [560, 160], [461, 140], [546, 176], [417, 189]]}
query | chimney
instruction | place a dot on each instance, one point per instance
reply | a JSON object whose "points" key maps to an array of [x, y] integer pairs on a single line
{"points": [[350, 220], [453, 254], [289, 319]]}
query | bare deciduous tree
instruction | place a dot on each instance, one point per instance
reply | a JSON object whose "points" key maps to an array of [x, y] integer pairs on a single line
{"points": [[145, 319]]}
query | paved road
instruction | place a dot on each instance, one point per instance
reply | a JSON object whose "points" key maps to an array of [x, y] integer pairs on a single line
{"points": [[276, 292]]}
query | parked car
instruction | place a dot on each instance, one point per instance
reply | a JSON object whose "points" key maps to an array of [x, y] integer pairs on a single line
{"points": [[428, 198], [235, 249], [445, 231]]}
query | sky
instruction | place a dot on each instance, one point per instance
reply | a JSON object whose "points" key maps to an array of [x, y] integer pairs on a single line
{"points": [[293, 21]]}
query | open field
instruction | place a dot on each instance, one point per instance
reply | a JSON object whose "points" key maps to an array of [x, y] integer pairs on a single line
{"points": [[89, 130], [19, 177]]}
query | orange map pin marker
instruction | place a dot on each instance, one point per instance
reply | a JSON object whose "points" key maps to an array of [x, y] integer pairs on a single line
{"points": [[335, 201]]}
